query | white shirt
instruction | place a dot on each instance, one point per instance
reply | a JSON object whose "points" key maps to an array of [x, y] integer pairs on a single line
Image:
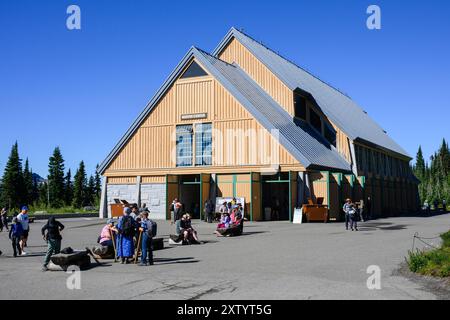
{"points": [[23, 218]]}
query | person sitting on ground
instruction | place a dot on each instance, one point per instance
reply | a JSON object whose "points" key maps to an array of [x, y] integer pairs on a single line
{"points": [[53, 238], [14, 235], [225, 222], [236, 215], [189, 234], [106, 235]]}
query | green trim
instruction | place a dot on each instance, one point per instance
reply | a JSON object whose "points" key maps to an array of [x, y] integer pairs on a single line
{"points": [[167, 199], [290, 197], [201, 196], [234, 186], [251, 196], [328, 190], [276, 181]]}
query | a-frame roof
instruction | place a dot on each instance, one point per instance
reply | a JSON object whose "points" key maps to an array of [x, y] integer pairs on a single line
{"points": [[338, 107], [310, 149]]}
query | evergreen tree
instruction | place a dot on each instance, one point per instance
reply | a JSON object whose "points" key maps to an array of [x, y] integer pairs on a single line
{"points": [[35, 192], [79, 186], [98, 183], [12, 182], [89, 198], [43, 194], [68, 188], [56, 179], [28, 183]]}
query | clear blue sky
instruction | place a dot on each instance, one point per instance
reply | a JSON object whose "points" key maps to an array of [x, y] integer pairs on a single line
{"points": [[80, 90]]}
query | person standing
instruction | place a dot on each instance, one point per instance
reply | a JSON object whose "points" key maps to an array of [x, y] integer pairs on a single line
{"points": [[147, 239], [368, 208], [172, 211], [14, 235], [444, 205], [209, 209], [134, 211], [4, 219], [346, 208], [126, 227], [23, 218], [53, 238]]}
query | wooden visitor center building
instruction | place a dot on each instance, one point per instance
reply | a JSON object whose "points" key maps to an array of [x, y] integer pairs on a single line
{"points": [[245, 122]]}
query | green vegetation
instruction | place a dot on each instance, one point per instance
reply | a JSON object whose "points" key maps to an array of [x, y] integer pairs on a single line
{"points": [[433, 262], [434, 177], [57, 194]]}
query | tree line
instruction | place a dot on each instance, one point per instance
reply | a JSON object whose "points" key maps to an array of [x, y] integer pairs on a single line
{"points": [[20, 187], [434, 176]]}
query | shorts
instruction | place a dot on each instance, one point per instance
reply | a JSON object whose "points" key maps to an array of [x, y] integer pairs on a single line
{"points": [[25, 234]]}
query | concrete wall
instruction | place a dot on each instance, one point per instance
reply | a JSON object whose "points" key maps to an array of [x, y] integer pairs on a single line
{"points": [[154, 195], [126, 192]]}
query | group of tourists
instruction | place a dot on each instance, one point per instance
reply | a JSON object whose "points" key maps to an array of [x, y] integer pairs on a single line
{"points": [[134, 232], [231, 219], [427, 207], [18, 231]]}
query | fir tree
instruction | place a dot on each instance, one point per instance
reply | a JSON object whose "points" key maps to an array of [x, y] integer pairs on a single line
{"points": [[28, 183], [98, 183], [89, 198], [68, 188], [12, 182], [79, 186], [56, 179]]}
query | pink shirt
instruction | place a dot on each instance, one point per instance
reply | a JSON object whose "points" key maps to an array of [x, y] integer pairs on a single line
{"points": [[105, 235]]}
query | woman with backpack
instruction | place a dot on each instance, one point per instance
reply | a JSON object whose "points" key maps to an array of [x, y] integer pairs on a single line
{"points": [[125, 244]]}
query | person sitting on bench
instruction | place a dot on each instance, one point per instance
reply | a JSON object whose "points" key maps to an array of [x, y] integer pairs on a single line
{"points": [[189, 234], [105, 238]]}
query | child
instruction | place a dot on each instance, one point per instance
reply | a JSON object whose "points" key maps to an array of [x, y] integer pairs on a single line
{"points": [[15, 233]]}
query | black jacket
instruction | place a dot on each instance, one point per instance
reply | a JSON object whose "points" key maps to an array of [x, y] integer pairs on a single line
{"points": [[53, 227]]}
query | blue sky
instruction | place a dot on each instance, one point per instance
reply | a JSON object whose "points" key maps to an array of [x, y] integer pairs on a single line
{"points": [[81, 89]]}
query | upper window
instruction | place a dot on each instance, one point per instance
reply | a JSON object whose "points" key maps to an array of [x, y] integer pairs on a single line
{"points": [[194, 70], [330, 135], [203, 144], [315, 120], [300, 106], [184, 145]]}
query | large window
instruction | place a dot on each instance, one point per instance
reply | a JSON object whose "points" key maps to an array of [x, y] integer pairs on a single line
{"points": [[300, 106], [184, 145], [203, 144], [315, 120]]}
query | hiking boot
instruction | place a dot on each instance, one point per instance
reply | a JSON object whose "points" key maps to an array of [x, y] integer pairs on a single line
{"points": [[23, 253], [44, 268], [142, 264]]}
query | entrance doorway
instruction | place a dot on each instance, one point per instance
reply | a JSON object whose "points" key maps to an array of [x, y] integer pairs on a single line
{"points": [[275, 197], [189, 194]]}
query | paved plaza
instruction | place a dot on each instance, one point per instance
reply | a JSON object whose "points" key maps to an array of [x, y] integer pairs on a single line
{"points": [[272, 260]]}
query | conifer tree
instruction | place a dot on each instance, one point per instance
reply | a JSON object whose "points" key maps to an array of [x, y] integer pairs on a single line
{"points": [[79, 186], [56, 179]]}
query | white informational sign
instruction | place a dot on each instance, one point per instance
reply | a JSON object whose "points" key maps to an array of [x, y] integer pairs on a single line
{"points": [[220, 200], [298, 215]]}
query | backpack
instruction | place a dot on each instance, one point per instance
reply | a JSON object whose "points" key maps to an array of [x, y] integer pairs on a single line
{"points": [[127, 226], [152, 231]]}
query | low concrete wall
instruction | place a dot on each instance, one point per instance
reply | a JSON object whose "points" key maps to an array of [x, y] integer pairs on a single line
{"points": [[154, 196]]}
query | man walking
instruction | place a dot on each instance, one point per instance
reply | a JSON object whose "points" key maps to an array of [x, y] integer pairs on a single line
{"points": [[23, 219], [147, 239], [53, 238]]}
